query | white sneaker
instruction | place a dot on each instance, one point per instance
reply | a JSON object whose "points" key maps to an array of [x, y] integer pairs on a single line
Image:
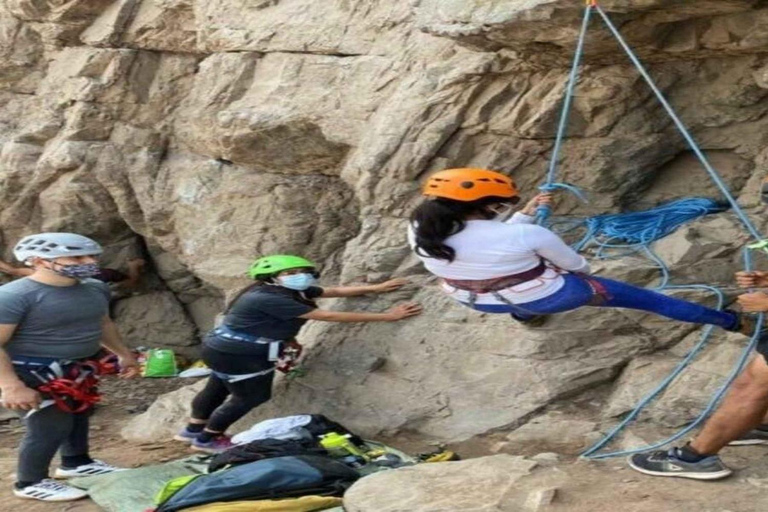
{"points": [[49, 490], [96, 467]]}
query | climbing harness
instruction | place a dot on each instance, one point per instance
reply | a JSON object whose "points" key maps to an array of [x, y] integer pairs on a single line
{"points": [[72, 386], [285, 354], [636, 231], [497, 283]]}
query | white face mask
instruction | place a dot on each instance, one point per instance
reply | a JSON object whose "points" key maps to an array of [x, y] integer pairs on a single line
{"points": [[503, 211], [298, 282]]}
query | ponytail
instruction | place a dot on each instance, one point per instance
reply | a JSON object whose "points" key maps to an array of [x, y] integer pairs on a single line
{"points": [[435, 220]]}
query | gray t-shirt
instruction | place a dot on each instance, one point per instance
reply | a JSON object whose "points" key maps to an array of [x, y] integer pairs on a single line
{"points": [[62, 322]]}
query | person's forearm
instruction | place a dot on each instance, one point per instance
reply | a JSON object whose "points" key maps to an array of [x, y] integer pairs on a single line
{"points": [[8, 377], [15, 271], [349, 291], [344, 316], [111, 340]]}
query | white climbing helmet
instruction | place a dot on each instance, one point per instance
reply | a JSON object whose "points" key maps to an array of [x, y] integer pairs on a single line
{"points": [[55, 245]]}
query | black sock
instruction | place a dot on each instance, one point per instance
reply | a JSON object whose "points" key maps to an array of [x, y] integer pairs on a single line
{"points": [[688, 454], [73, 461], [21, 485], [762, 427], [195, 427], [206, 436]]}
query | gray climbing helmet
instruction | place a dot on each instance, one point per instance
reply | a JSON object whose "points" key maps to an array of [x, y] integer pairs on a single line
{"points": [[55, 245]]}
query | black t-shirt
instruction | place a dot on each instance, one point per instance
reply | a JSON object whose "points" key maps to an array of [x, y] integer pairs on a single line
{"points": [[268, 312]]}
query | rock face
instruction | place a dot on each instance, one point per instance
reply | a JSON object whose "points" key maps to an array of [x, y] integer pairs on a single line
{"points": [[211, 132], [484, 484]]}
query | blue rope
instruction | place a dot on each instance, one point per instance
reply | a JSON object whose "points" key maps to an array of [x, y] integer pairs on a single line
{"points": [[591, 453], [681, 127], [544, 211], [637, 231]]}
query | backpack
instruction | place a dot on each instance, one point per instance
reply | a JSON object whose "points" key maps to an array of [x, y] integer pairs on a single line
{"points": [[280, 477], [264, 449]]}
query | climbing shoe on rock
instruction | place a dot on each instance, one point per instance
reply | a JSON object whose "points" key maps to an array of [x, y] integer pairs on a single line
{"points": [[49, 490], [753, 437], [215, 445], [670, 463], [96, 467]]}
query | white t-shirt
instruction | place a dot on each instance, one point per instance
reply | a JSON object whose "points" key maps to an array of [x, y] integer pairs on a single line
{"points": [[487, 249]]}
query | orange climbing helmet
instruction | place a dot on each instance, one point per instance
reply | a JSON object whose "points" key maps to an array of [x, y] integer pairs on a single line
{"points": [[469, 185]]}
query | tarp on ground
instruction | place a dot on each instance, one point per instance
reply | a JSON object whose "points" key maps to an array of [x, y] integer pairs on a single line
{"points": [[133, 490]]}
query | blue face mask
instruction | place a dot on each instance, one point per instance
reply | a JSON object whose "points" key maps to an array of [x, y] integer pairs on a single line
{"points": [[298, 282]]}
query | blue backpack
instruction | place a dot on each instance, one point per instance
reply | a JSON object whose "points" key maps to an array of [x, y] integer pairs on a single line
{"points": [[280, 477]]}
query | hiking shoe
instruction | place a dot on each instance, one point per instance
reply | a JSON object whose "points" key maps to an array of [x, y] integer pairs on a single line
{"points": [[753, 437], [186, 436], [216, 445], [96, 467], [49, 490], [669, 463]]}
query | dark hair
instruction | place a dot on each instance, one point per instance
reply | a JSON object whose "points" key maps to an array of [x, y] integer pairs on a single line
{"points": [[434, 220]]}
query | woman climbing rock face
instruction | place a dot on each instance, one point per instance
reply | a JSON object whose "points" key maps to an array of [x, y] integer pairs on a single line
{"points": [[516, 267], [260, 322]]}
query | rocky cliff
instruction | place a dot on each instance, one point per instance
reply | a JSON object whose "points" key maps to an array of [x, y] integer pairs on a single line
{"points": [[206, 133]]}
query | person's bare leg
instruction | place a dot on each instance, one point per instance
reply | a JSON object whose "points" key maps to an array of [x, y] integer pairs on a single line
{"points": [[744, 408]]}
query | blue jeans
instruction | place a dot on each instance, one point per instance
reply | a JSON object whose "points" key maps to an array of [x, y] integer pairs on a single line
{"points": [[577, 293]]}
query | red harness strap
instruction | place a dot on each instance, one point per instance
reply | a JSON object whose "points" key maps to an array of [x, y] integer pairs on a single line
{"points": [[289, 356], [78, 391]]}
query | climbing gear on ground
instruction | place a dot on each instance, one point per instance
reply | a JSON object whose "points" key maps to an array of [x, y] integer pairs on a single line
{"points": [[271, 265], [300, 426], [173, 486], [55, 245], [298, 282], [438, 456], [279, 477], [646, 237], [264, 449], [70, 385], [498, 283], [341, 445], [469, 185], [159, 363]]}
